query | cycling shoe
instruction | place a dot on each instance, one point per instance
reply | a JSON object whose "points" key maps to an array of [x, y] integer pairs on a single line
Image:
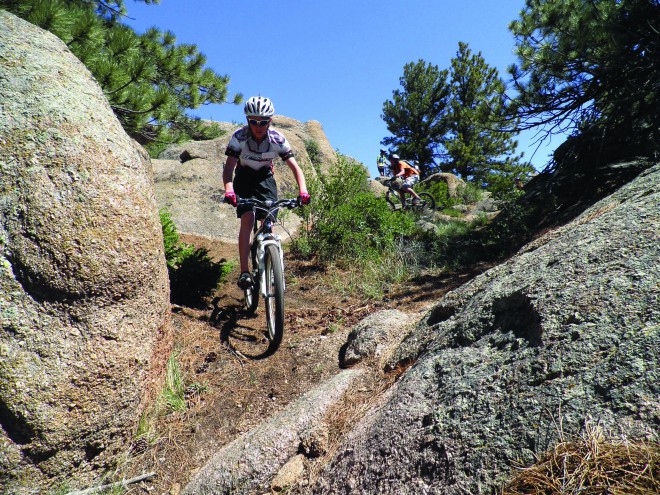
{"points": [[245, 281]]}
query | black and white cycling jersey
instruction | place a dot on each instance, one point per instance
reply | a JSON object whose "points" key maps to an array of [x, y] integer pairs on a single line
{"points": [[258, 155]]}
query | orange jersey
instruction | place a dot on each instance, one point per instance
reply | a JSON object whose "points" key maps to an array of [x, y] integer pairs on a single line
{"points": [[408, 169]]}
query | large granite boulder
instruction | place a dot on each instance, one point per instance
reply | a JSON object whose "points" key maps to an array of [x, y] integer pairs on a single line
{"points": [[565, 332], [83, 281]]}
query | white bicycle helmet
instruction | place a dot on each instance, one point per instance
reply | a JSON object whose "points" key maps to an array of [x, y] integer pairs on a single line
{"points": [[259, 106]]}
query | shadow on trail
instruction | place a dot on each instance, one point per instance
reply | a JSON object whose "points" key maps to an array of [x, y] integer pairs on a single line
{"points": [[429, 288], [243, 333]]}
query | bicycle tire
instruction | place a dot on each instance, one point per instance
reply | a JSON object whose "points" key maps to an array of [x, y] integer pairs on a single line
{"points": [[251, 295], [428, 201], [393, 199], [274, 296]]}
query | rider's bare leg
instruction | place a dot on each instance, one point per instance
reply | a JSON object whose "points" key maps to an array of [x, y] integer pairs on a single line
{"points": [[244, 232], [402, 195], [410, 191]]}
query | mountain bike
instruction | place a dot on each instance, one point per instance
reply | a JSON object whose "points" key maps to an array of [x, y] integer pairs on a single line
{"points": [[267, 260], [426, 203]]}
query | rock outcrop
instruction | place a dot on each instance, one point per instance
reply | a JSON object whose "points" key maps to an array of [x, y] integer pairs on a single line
{"points": [[453, 182], [564, 332], [375, 337], [379, 184], [188, 177], [83, 282], [249, 463]]}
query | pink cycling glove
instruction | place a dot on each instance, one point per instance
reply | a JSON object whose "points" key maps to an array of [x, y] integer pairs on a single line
{"points": [[305, 198], [230, 197]]}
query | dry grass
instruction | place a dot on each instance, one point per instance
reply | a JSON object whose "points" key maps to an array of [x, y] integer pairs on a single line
{"points": [[592, 464]]}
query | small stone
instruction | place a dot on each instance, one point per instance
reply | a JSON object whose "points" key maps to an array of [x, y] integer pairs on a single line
{"points": [[289, 474]]}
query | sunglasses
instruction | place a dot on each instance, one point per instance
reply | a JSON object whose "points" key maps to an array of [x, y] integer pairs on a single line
{"points": [[260, 123]]}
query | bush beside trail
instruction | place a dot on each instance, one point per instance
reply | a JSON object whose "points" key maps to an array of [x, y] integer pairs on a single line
{"points": [[348, 226]]}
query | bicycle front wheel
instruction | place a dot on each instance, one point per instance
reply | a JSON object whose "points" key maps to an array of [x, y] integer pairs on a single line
{"points": [[393, 199], [274, 296]]}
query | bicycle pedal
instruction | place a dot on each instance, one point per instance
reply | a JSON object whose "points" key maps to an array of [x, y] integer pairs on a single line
{"points": [[245, 281]]}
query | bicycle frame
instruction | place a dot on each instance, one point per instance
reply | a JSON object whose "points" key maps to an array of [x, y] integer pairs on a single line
{"points": [[408, 202], [396, 191]]}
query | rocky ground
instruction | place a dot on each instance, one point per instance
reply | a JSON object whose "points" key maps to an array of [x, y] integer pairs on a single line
{"points": [[231, 386]]}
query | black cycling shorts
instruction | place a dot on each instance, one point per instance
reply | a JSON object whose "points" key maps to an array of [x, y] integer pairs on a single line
{"points": [[254, 184]]}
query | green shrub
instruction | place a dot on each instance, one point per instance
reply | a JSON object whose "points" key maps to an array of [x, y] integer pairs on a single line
{"points": [[453, 244], [175, 251], [347, 226], [439, 191], [468, 193], [512, 228], [452, 212], [194, 276], [313, 151], [346, 221]]}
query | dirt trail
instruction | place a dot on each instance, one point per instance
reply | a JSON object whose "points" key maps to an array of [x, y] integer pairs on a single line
{"points": [[232, 388]]}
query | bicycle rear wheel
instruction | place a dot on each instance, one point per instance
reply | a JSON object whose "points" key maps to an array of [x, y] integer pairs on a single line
{"points": [[428, 203], [251, 295], [274, 296]]}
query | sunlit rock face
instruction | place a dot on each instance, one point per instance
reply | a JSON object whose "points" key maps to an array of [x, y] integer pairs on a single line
{"points": [[83, 280]]}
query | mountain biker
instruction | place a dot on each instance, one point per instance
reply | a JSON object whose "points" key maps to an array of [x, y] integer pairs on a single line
{"points": [[381, 162], [409, 174], [251, 151]]}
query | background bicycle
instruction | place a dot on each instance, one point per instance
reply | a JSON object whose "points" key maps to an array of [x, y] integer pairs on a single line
{"points": [[426, 203]]}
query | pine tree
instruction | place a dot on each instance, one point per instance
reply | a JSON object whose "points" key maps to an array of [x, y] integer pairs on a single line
{"points": [[478, 148], [452, 120], [415, 115], [585, 63], [150, 80]]}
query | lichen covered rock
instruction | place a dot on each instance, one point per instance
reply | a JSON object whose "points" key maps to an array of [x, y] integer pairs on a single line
{"points": [[83, 281], [564, 332]]}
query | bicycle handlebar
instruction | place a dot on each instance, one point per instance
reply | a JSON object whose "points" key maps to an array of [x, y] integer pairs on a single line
{"points": [[270, 205]]}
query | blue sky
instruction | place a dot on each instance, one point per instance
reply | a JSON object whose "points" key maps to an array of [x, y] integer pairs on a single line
{"points": [[337, 61]]}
